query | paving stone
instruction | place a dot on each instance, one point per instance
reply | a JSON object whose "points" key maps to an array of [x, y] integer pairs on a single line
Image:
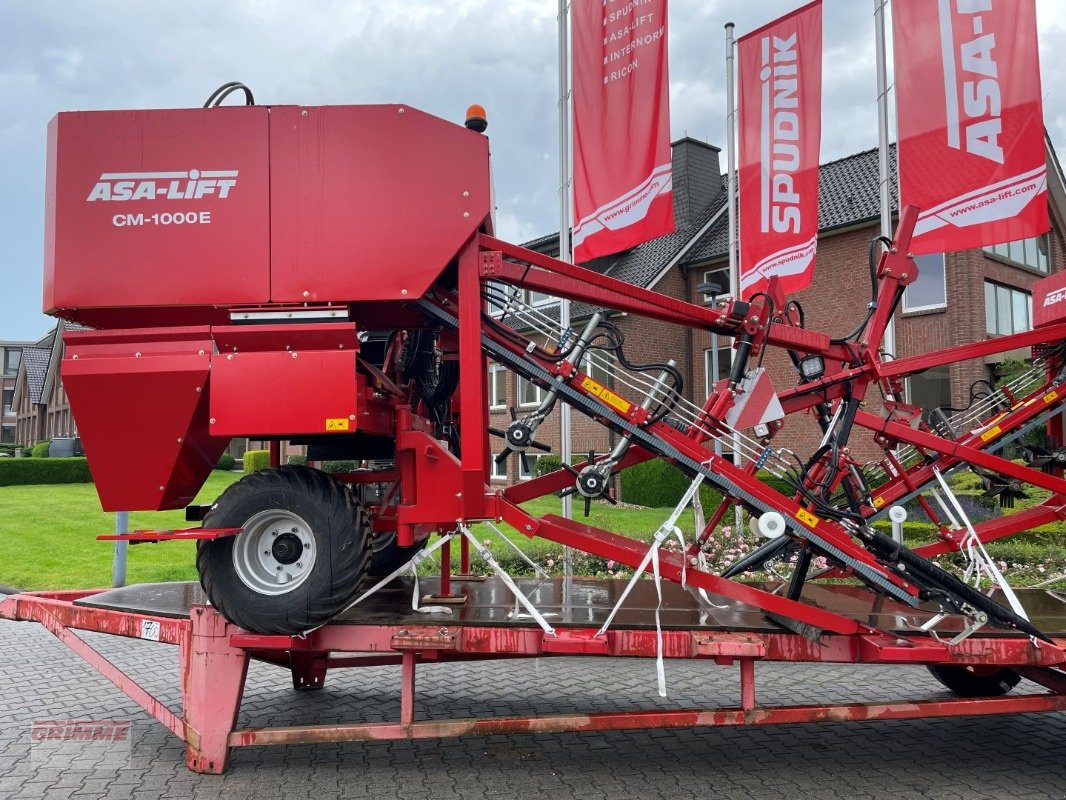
{"points": [[1022, 756]]}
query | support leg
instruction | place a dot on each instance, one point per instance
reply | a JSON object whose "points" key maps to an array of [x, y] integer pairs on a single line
{"points": [[308, 669], [747, 683], [213, 675], [444, 595], [407, 688], [464, 573], [799, 575]]}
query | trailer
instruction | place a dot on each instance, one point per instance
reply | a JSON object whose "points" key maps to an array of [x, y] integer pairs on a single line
{"points": [[330, 276], [213, 655]]}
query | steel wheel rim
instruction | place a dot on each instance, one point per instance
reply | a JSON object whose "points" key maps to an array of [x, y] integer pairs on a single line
{"points": [[266, 556]]}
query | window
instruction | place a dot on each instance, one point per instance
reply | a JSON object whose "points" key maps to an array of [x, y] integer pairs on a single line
{"points": [[12, 357], [523, 473], [1032, 253], [7, 434], [529, 394], [716, 364], [930, 389], [718, 276], [499, 294], [1007, 310], [599, 366], [498, 472], [9, 402], [930, 290], [497, 387]]}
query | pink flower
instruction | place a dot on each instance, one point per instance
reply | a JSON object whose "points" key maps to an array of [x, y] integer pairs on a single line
{"points": [[610, 564], [551, 563], [726, 530], [487, 542]]}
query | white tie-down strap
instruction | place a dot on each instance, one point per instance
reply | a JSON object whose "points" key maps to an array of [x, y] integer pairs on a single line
{"points": [[697, 513], [704, 566], [651, 557], [666, 530], [489, 560], [701, 558], [537, 569], [979, 561], [412, 567]]}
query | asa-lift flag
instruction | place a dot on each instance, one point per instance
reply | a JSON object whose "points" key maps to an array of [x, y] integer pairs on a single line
{"points": [[780, 134], [622, 178], [971, 130]]}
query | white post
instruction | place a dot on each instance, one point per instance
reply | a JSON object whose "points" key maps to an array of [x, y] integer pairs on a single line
{"points": [[565, 253], [118, 569], [731, 188], [882, 147]]}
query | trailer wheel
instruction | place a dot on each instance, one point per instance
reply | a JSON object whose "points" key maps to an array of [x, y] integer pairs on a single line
{"points": [[386, 556], [975, 681], [299, 559]]}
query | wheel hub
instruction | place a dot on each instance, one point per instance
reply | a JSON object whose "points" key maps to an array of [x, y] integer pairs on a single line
{"points": [[275, 552], [287, 548]]}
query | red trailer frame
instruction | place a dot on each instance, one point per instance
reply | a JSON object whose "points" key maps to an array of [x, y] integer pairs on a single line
{"points": [[213, 658]]}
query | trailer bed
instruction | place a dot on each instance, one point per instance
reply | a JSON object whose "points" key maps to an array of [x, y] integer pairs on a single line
{"points": [[587, 602]]}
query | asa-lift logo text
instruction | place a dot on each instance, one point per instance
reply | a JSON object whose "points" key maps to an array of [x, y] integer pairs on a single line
{"points": [[190, 184]]}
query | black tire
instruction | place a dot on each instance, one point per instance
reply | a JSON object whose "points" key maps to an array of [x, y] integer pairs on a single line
{"points": [[326, 546], [967, 681], [386, 556]]}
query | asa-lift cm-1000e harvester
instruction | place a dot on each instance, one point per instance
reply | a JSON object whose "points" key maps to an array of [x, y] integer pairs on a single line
{"points": [[329, 276]]}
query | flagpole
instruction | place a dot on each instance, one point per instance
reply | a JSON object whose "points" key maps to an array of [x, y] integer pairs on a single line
{"points": [[731, 188], [882, 148], [565, 251]]}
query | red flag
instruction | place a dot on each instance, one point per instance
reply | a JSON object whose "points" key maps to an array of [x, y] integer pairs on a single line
{"points": [[622, 168], [971, 130], [780, 69]]}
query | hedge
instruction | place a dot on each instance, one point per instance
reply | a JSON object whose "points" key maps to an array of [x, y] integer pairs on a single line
{"points": [[299, 461], [547, 463], [658, 484], [256, 460], [338, 466], [40, 450], [25, 471], [226, 462]]}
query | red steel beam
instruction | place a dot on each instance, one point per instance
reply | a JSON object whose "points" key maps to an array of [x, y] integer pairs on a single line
{"points": [[636, 720], [909, 365], [904, 433]]}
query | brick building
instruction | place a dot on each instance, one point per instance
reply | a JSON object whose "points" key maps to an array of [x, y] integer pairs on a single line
{"points": [[42, 410], [10, 362], [959, 297]]}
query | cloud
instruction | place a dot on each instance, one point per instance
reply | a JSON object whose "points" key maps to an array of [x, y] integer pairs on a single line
{"points": [[438, 55]]}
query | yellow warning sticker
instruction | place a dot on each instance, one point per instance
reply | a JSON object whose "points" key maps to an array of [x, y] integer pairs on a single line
{"points": [[991, 433], [606, 395], [807, 518], [337, 424], [1051, 397], [878, 502]]}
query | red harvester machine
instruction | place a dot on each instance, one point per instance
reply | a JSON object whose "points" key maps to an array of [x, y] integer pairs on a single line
{"points": [[329, 276]]}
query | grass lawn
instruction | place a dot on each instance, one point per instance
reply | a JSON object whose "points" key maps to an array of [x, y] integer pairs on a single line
{"points": [[50, 536]]}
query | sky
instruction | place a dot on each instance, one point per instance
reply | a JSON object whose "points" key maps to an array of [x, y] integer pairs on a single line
{"points": [[436, 55]]}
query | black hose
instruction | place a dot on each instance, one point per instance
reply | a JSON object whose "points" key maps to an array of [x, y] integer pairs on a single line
{"points": [[225, 90]]}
